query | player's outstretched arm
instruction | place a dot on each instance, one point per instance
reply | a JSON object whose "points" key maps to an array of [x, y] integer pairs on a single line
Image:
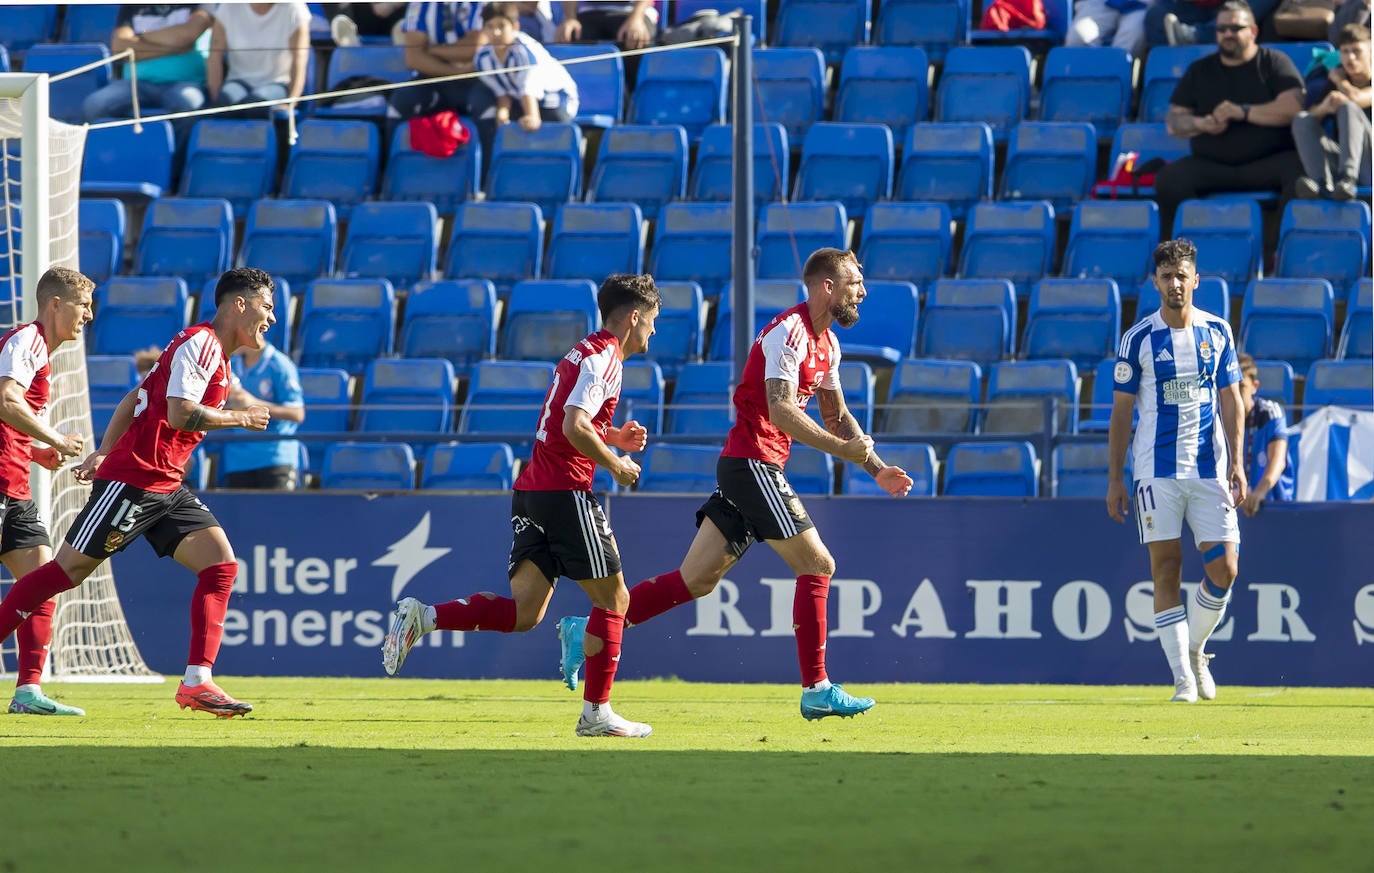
{"points": [[842, 423], [188, 415], [786, 417]]}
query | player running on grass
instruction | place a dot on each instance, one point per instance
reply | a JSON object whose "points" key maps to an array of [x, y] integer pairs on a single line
{"points": [[559, 528], [1178, 368], [137, 481], [794, 357], [64, 308]]}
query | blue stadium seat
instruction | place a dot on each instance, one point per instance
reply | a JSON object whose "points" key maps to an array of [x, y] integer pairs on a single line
{"points": [[643, 164], [468, 467], [884, 85], [679, 468], [857, 384], [1302, 54], [346, 323], [1057, 16], [810, 471], [407, 394], [680, 327], [1113, 239], [374, 61], [947, 163], [771, 296], [600, 83], [685, 9], [906, 241], [119, 162], [235, 160], [505, 398], [1099, 411], [789, 89], [1087, 84], [500, 242], [334, 160], [88, 23], [453, 319], [546, 317], [1148, 141], [917, 459], [712, 179], [991, 84], [398, 242], [1323, 239], [1228, 236], [543, 166], [109, 379], [29, 24], [701, 401], [935, 25], [368, 467], [1012, 240], [641, 395], [1081, 469], [1212, 295], [693, 244], [198, 475], [1289, 320], [1078, 319], [188, 237], [1016, 394], [1357, 337], [103, 224], [887, 326], [66, 96], [1054, 161], [328, 397], [1278, 383], [594, 240], [833, 25], [991, 469], [684, 86], [1164, 66], [1339, 383], [4, 59], [445, 182], [789, 232], [279, 334], [970, 320], [850, 163], [928, 395], [135, 312], [293, 239]]}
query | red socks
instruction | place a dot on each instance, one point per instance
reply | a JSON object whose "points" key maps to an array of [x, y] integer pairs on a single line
{"points": [[600, 669], [480, 612], [656, 596], [209, 603], [28, 594], [808, 621], [33, 637]]}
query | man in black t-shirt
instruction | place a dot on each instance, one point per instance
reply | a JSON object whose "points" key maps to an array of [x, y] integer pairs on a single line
{"points": [[1235, 108]]}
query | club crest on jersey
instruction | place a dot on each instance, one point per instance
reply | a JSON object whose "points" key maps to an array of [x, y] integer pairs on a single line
{"points": [[1122, 373], [1204, 351], [113, 541]]}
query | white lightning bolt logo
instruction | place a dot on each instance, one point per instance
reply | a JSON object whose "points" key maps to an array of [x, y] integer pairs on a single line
{"points": [[409, 555]]}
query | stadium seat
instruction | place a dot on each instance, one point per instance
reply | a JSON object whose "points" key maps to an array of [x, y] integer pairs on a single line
{"points": [[1212, 295], [1288, 320], [1278, 383], [373, 61], [505, 398], [1017, 391], [1228, 236], [833, 25], [594, 240], [934, 25], [88, 23], [917, 459], [947, 163], [712, 177], [407, 395], [468, 467], [679, 468], [109, 379], [28, 24], [1357, 337], [789, 232], [136, 312], [771, 296], [368, 467], [906, 242], [66, 96], [453, 319], [542, 167], [1112, 239], [849, 163], [1099, 411], [1014, 240], [857, 384], [546, 317], [990, 84], [328, 397], [887, 326], [293, 239], [789, 89], [1054, 161], [445, 182], [1057, 16], [192, 238], [641, 396], [600, 83], [701, 401], [198, 475], [235, 160], [928, 395], [758, 9], [1339, 383], [500, 242], [810, 471], [102, 223], [642, 164], [680, 327], [969, 320], [121, 162], [1081, 469], [1148, 141], [398, 242], [693, 244], [684, 86], [1323, 239], [4, 59], [279, 334], [884, 85], [1164, 66], [1078, 319], [334, 160], [991, 469], [346, 323], [1087, 84], [1301, 53]]}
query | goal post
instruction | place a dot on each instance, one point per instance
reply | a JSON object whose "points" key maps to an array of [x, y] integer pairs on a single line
{"points": [[39, 204]]}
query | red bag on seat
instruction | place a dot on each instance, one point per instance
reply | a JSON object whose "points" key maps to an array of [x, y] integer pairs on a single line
{"points": [[1007, 15], [438, 135]]}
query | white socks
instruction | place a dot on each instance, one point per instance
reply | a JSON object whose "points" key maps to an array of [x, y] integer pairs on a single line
{"points": [[196, 675], [1173, 638], [823, 685], [428, 619], [1205, 613]]}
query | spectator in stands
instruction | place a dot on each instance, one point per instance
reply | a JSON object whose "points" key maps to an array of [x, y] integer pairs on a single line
{"points": [[1235, 108], [266, 377], [536, 20], [1266, 442], [440, 40], [1194, 22], [1334, 167], [1347, 12], [170, 54], [258, 51], [347, 21], [545, 92], [628, 25], [1117, 23], [144, 360]]}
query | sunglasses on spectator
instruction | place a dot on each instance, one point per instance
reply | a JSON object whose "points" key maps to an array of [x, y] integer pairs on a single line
{"points": [[1232, 28]]}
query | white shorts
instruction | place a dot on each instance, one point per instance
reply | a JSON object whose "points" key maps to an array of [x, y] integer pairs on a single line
{"points": [[1162, 505]]}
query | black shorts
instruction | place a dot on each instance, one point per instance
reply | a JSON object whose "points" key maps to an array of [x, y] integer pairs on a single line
{"points": [[117, 514], [564, 533], [21, 527], [753, 501]]}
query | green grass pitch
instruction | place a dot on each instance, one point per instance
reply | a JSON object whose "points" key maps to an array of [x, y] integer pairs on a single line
{"points": [[401, 774]]}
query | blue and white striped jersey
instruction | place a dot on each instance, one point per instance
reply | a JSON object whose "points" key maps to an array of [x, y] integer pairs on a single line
{"points": [[444, 22], [543, 77], [1175, 376]]}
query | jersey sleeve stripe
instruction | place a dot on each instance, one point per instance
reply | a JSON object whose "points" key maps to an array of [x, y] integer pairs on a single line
{"points": [[38, 346]]}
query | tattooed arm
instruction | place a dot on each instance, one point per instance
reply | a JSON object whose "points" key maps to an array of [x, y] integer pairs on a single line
{"points": [[786, 417], [188, 415]]}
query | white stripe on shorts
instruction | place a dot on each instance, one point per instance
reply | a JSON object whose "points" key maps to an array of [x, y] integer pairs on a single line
{"points": [[786, 523], [591, 535], [97, 516]]}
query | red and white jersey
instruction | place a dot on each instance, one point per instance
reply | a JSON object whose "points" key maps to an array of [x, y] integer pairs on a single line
{"points": [[152, 454], [588, 377], [790, 349], [23, 358]]}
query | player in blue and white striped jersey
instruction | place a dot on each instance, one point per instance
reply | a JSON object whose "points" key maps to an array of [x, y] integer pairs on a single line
{"points": [[1177, 368]]}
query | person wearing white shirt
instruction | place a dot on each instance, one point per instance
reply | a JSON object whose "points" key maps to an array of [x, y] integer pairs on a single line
{"points": [[258, 51]]}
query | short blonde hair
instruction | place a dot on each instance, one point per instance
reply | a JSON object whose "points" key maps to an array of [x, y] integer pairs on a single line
{"points": [[62, 282]]}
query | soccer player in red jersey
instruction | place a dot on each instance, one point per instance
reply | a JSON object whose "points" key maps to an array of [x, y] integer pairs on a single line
{"points": [[64, 309], [559, 528], [793, 358], [137, 475]]}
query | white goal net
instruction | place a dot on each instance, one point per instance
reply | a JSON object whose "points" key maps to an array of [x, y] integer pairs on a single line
{"points": [[38, 228]]}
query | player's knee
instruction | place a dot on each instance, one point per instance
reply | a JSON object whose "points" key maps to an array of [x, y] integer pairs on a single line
{"points": [[700, 586]]}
